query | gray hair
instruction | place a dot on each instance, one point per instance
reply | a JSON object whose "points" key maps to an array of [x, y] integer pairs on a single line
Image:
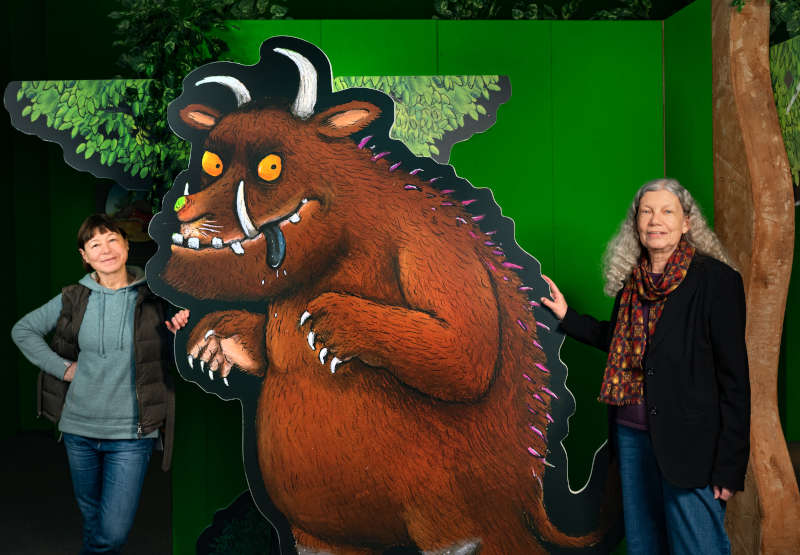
{"points": [[623, 251]]}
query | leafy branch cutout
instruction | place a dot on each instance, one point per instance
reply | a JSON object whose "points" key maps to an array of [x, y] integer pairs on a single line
{"points": [[100, 118]]}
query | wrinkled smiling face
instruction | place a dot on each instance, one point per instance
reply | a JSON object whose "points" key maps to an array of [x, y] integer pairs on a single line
{"points": [[260, 220]]}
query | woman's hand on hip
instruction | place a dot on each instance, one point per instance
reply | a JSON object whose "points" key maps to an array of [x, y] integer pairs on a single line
{"points": [[722, 493], [69, 374], [558, 304], [178, 321]]}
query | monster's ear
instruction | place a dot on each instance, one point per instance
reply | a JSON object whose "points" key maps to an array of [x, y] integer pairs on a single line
{"points": [[346, 119], [200, 116]]}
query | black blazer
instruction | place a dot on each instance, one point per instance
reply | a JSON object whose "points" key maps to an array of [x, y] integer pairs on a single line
{"points": [[697, 385]]}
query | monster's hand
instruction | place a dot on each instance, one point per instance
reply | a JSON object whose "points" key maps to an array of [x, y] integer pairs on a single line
{"points": [[222, 340]]}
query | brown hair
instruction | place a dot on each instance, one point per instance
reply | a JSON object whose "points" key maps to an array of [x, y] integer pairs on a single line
{"points": [[96, 223]]}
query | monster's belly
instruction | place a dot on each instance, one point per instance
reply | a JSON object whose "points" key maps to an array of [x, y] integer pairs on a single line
{"points": [[349, 455]]}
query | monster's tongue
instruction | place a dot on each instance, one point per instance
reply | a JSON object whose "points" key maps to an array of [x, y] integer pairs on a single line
{"points": [[276, 244]]}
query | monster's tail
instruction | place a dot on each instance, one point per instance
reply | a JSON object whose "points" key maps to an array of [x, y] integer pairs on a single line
{"points": [[610, 508]]}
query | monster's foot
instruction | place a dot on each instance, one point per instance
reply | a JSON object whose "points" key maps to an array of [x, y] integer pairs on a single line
{"points": [[309, 545], [468, 547]]}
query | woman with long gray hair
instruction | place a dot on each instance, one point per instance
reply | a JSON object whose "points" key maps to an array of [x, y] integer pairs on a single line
{"points": [[676, 377]]}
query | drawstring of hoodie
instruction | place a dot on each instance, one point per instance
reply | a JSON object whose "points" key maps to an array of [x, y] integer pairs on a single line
{"points": [[100, 323]]}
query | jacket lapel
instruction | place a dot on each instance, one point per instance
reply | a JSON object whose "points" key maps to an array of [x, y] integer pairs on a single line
{"points": [[675, 306]]}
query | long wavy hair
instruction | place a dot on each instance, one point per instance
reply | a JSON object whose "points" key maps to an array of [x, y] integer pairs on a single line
{"points": [[623, 251]]}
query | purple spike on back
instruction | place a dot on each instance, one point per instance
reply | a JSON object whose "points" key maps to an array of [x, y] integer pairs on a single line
{"points": [[467, 202], [410, 187], [363, 142], [394, 166], [478, 218], [380, 155], [512, 265], [549, 392], [522, 325], [543, 326], [542, 367], [415, 171]]}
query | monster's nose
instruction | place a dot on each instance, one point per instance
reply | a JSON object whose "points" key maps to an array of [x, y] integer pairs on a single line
{"points": [[180, 203], [184, 208]]}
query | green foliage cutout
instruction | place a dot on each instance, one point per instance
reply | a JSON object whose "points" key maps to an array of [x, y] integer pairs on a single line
{"points": [[426, 108], [785, 69], [100, 120]]}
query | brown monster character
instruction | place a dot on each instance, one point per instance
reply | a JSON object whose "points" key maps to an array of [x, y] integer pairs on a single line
{"points": [[405, 397]]}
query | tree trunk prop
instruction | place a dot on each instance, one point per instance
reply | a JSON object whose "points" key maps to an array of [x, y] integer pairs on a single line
{"points": [[754, 217]]}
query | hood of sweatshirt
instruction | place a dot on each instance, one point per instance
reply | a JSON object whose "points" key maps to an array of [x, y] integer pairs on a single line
{"points": [[104, 293]]}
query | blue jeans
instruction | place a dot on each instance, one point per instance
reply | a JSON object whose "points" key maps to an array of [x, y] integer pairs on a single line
{"points": [[107, 477], [659, 517]]}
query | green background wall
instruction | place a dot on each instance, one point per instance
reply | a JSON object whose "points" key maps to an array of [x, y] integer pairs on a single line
{"points": [[597, 108]]}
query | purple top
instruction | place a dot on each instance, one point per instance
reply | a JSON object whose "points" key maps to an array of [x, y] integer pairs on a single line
{"points": [[635, 416]]}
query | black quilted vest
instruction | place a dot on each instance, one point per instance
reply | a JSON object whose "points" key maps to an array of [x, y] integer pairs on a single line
{"points": [[152, 346]]}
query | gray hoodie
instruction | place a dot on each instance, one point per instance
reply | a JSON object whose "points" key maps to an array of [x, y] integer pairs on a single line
{"points": [[101, 401]]}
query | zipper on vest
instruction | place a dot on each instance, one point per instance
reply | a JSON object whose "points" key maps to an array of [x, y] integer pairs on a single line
{"points": [[139, 430]]}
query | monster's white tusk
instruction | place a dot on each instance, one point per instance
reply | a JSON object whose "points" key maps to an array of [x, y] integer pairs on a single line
{"points": [[241, 213], [239, 90], [306, 99]]}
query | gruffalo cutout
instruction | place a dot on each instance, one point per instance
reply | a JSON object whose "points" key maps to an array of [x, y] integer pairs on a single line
{"points": [[401, 389]]}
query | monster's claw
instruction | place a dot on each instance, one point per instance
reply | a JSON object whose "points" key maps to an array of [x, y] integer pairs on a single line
{"points": [[225, 381], [322, 354], [211, 375], [306, 315], [190, 359], [311, 340], [202, 365], [335, 361], [208, 334]]}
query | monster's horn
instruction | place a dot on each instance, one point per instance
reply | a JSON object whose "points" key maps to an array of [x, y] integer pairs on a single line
{"points": [[238, 88], [306, 99]]}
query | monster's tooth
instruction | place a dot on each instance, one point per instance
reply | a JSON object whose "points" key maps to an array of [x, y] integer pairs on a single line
{"points": [[211, 375], [306, 315], [216, 242], [225, 381], [177, 238], [305, 200], [193, 243], [190, 359], [334, 363], [322, 354], [294, 218], [311, 340], [236, 247], [202, 365], [241, 213], [186, 190]]}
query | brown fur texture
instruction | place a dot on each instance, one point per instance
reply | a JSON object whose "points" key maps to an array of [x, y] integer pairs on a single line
{"points": [[431, 431]]}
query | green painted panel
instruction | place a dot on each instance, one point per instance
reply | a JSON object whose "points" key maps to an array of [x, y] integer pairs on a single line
{"points": [[380, 47], [515, 156], [245, 36], [687, 77], [791, 348], [608, 140]]}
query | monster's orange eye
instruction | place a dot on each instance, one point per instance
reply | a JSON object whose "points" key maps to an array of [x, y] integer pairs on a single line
{"points": [[270, 167], [212, 164]]}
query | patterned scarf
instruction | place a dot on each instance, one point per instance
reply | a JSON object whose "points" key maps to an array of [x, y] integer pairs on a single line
{"points": [[623, 381]]}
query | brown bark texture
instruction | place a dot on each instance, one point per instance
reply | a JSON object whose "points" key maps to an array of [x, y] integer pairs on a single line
{"points": [[754, 218]]}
